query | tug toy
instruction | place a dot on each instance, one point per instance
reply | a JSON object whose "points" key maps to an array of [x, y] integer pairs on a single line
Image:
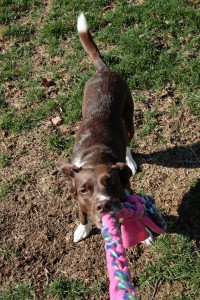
{"points": [[138, 214]]}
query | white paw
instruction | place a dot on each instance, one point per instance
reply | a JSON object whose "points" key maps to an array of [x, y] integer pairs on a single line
{"points": [[130, 161], [150, 240], [82, 231]]}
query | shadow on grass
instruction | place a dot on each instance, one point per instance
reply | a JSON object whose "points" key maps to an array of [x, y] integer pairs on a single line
{"points": [[177, 157], [188, 221]]}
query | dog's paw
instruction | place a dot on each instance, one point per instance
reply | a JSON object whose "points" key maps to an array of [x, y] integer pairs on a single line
{"points": [[130, 161], [150, 240], [82, 231]]}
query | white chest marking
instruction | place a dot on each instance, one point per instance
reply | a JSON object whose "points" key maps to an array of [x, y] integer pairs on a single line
{"points": [[77, 162], [103, 198]]}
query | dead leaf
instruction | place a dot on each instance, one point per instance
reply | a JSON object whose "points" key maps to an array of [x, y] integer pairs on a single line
{"points": [[17, 9], [56, 121], [164, 93], [24, 8], [71, 25], [170, 36], [2, 134], [47, 83], [193, 3], [84, 68], [2, 30]]}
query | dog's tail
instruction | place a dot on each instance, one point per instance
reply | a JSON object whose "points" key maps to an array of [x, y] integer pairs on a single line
{"points": [[88, 43]]}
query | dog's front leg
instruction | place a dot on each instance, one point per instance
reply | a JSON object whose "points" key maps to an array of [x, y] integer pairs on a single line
{"points": [[130, 161], [83, 230]]}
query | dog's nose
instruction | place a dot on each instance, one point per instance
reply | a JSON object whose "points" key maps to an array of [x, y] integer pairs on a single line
{"points": [[103, 206]]}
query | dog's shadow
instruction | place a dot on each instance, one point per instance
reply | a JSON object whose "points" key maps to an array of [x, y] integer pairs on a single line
{"points": [[177, 157], [188, 220]]}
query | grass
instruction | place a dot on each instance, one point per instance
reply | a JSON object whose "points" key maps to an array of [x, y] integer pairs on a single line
{"points": [[150, 122], [98, 288], [156, 45], [16, 9], [193, 182], [60, 288], [24, 291], [59, 142], [5, 189], [16, 122], [8, 252], [11, 185], [153, 44], [4, 160], [3, 103], [23, 32], [174, 259], [194, 104], [50, 165]]}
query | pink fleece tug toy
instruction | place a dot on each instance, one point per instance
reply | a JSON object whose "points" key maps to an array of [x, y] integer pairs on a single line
{"points": [[139, 212]]}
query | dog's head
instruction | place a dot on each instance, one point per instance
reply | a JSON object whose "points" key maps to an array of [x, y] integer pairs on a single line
{"points": [[99, 189]]}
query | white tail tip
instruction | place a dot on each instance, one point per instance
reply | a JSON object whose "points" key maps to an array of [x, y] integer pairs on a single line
{"points": [[82, 25]]}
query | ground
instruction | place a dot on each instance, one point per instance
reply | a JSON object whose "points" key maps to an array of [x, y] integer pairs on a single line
{"points": [[37, 214]]}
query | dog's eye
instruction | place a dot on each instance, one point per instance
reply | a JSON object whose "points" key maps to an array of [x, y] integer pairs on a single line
{"points": [[112, 181], [84, 190], [107, 180]]}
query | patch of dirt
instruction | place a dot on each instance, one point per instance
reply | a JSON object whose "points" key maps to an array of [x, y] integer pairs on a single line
{"points": [[38, 217]]}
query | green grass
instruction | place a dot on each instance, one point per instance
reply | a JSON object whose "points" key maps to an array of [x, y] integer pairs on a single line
{"points": [[150, 122], [35, 95], [61, 288], [15, 122], [4, 160], [11, 185], [53, 191], [20, 181], [5, 189], [3, 103], [23, 291], [23, 32], [12, 71], [97, 288], [160, 45], [156, 43], [151, 45], [16, 9], [174, 258], [8, 252], [50, 165], [193, 182], [194, 104], [59, 142]]}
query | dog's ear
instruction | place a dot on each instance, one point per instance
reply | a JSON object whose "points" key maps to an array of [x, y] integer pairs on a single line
{"points": [[66, 169], [124, 172]]}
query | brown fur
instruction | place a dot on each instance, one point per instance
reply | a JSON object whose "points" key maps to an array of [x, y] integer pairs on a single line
{"points": [[98, 163]]}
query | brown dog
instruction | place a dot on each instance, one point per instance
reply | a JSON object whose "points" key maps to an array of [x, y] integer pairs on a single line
{"points": [[98, 173]]}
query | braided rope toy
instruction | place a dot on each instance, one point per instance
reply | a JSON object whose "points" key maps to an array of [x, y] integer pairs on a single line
{"points": [[138, 213]]}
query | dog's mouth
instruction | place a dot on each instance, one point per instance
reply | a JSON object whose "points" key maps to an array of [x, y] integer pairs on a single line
{"points": [[97, 217]]}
